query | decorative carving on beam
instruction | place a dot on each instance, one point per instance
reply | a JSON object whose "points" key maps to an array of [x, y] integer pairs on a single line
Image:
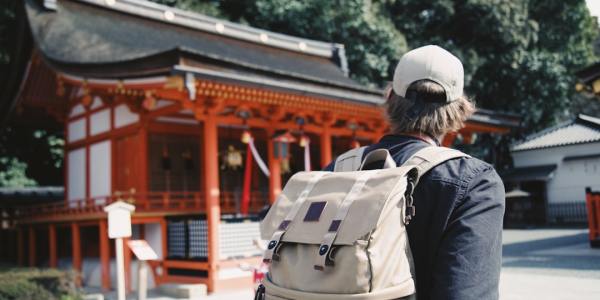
{"points": [[174, 82], [265, 97]]}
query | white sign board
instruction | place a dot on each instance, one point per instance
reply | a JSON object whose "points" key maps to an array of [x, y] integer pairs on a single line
{"points": [[119, 219], [142, 250]]}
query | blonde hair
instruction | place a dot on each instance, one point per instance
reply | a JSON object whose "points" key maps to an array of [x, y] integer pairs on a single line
{"points": [[432, 118]]}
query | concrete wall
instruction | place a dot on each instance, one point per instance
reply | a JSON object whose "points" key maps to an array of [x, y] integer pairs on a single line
{"points": [[554, 155], [569, 180]]}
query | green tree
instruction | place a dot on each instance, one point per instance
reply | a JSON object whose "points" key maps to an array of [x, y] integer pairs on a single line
{"points": [[372, 43], [519, 56]]}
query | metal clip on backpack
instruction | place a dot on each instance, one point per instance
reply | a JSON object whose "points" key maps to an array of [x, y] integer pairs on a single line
{"points": [[341, 235]]}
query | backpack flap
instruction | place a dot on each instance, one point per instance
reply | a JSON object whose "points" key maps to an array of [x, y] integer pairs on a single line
{"points": [[333, 192]]}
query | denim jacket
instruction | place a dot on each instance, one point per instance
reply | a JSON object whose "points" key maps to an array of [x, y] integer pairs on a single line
{"points": [[456, 235]]}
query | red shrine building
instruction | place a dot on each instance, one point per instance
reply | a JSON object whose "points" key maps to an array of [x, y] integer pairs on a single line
{"points": [[196, 121]]}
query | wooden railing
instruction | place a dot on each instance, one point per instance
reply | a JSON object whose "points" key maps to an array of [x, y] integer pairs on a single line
{"points": [[151, 202], [593, 210]]}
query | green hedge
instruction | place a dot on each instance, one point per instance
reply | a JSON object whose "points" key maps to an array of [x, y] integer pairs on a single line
{"points": [[28, 284]]}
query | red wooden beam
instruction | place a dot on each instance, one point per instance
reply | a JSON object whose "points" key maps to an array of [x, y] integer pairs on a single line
{"points": [[163, 237]]}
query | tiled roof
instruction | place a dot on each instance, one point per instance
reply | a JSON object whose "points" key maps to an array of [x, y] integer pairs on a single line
{"points": [[584, 129], [25, 195]]}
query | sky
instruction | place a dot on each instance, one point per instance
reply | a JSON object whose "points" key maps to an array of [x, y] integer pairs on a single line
{"points": [[594, 6]]}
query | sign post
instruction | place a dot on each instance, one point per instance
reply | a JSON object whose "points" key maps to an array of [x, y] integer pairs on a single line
{"points": [[143, 252], [119, 227]]}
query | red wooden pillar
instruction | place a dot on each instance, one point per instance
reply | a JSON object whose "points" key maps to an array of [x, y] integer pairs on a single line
{"points": [[274, 169], [211, 190], [325, 145], [449, 138], [143, 160], [127, 263], [104, 254], [76, 249], [20, 246], [163, 237], [52, 244], [31, 246]]}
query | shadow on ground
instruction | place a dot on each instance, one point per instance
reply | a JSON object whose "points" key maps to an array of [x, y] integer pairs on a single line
{"points": [[564, 252]]}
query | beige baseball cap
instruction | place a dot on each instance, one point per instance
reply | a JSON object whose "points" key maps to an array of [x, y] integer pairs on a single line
{"points": [[433, 63]]}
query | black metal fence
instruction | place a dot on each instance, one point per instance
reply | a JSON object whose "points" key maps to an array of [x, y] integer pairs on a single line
{"points": [[567, 213]]}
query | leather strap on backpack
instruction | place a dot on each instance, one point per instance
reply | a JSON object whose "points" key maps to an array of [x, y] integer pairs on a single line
{"points": [[421, 162]]}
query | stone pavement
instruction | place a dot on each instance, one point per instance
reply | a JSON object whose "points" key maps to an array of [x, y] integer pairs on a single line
{"points": [[549, 264]]}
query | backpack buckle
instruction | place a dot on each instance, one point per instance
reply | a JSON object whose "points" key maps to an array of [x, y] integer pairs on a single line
{"points": [[410, 209]]}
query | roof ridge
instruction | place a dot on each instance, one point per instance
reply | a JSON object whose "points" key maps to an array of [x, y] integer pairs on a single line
{"points": [[543, 132], [193, 20], [588, 120]]}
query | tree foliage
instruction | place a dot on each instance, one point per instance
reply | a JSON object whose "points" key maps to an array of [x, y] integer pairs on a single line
{"points": [[519, 56], [30, 156]]}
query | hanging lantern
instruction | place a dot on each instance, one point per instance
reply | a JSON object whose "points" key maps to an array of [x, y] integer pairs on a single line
{"points": [[149, 102], [233, 158], [246, 136], [304, 141], [285, 166], [188, 162], [166, 161], [282, 145], [86, 100]]}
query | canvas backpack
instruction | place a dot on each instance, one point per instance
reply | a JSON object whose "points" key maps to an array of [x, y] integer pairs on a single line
{"points": [[341, 235]]}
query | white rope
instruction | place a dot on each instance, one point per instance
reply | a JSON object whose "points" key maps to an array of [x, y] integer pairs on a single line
{"points": [[307, 156], [261, 163]]}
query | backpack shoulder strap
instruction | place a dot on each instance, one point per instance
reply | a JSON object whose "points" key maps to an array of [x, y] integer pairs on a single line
{"points": [[350, 160], [429, 157], [419, 164]]}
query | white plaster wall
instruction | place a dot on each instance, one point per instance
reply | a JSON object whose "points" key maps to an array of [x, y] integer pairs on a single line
{"points": [[124, 116], [77, 110], [100, 169], [97, 102], [77, 130], [100, 122], [552, 155], [571, 178], [154, 238], [76, 174]]}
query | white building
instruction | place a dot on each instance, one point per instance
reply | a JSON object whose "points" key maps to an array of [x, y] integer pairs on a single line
{"points": [[556, 165]]}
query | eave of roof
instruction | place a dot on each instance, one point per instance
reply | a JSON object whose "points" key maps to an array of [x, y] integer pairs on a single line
{"points": [[589, 73], [81, 38], [534, 173], [26, 195], [584, 129], [373, 97], [489, 117], [171, 15]]}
